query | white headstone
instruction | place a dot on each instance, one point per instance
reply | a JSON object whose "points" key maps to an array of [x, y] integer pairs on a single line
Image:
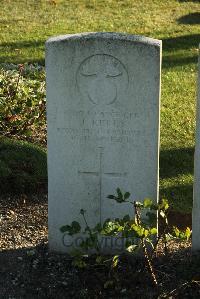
{"points": [[196, 191], [103, 99]]}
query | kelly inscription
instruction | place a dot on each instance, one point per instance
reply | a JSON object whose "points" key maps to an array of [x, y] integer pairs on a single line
{"points": [[106, 126]]}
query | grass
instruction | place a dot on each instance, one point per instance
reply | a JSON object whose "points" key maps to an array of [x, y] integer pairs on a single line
{"points": [[26, 24]]}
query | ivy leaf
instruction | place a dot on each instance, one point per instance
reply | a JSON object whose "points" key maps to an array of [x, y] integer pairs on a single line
{"points": [[188, 233], [119, 197], [127, 195], [79, 263], [176, 231], [99, 259], [163, 205], [120, 229], [138, 229], [75, 227], [132, 248], [108, 284], [169, 237], [115, 261], [119, 192], [147, 203], [153, 231], [119, 200], [65, 228]]}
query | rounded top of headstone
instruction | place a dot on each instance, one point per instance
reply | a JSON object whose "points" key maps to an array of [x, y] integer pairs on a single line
{"points": [[105, 36]]}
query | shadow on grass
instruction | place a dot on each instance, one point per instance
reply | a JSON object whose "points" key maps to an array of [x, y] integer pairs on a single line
{"points": [[174, 162], [180, 43], [14, 49], [171, 61], [191, 19], [183, 42], [14, 59], [174, 44], [23, 167], [23, 44], [180, 197]]}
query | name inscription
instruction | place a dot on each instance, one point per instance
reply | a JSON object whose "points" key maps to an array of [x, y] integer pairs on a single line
{"points": [[102, 126]]}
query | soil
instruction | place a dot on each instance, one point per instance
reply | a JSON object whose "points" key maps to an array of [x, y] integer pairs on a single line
{"points": [[28, 270]]}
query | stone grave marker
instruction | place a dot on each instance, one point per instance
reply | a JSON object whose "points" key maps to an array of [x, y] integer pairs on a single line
{"points": [[103, 102], [196, 189]]}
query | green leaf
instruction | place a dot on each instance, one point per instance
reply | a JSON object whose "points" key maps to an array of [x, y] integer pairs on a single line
{"points": [[110, 228], [76, 227], [99, 259], [115, 261], [153, 231], [119, 192], [168, 237], [79, 263], [119, 200], [147, 203], [163, 205], [138, 229], [176, 231], [119, 195], [188, 233], [120, 229], [108, 284], [127, 195], [132, 248], [65, 228]]}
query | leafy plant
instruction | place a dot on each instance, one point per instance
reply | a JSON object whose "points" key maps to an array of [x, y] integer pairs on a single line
{"points": [[22, 100], [140, 232]]}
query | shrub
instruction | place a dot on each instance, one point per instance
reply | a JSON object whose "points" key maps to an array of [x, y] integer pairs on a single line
{"points": [[22, 101]]}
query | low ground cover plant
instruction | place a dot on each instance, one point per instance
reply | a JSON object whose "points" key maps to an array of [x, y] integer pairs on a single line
{"points": [[23, 102], [139, 232]]}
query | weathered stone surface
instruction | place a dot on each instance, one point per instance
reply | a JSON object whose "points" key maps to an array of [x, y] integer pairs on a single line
{"points": [[103, 99], [196, 193]]}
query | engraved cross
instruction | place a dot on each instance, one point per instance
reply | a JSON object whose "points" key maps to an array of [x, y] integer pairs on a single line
{"points": [[100, 173]]}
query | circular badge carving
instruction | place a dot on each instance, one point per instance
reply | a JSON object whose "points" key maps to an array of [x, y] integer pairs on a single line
{"points": [[102, 78]]}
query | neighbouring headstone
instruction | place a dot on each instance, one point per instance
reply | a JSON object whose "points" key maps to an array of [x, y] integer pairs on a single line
{"points": [[103, 100], [196, 191]]}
